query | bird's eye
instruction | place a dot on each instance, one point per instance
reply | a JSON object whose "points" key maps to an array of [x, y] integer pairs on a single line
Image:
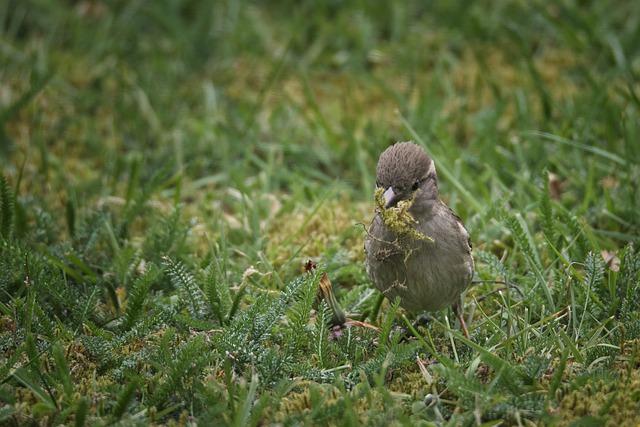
{"points": [[415, 185], [378, 184]]}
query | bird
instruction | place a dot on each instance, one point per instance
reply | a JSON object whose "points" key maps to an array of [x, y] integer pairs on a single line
{"points": [[421, 253]]}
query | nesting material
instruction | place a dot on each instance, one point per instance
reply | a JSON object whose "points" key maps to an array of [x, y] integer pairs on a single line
{"points": [[398, 218]]}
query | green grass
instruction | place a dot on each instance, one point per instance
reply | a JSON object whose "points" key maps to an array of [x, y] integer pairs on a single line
{"points": [[169, 166]]}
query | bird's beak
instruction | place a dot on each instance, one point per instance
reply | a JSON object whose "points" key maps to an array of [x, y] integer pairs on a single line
{"points": [[390, 198]]}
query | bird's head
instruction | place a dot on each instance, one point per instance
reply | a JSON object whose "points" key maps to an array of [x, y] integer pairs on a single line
{"points": [[405, 171]]}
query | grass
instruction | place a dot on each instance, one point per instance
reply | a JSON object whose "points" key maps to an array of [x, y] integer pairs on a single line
{"points": [[169, 166]]}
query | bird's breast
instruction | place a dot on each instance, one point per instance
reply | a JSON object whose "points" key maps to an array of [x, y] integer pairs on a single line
{"points": [[425, 275]]}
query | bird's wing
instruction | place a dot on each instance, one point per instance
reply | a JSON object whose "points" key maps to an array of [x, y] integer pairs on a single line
{"points": [[460, 223]]}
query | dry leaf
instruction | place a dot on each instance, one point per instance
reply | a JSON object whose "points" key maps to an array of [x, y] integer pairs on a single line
{"points": [[612, 261], [325, 289], [556, 186], [609, 182], [310, 266]]}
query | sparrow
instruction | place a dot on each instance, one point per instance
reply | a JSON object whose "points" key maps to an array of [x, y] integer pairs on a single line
{"points": [[416, 247]]}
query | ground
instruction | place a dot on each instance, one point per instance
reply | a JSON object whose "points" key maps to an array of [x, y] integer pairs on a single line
{"points": [[168, 168]]}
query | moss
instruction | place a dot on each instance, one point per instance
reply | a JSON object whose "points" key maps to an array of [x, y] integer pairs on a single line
{"points": [[299, 403], [412, 383], [617, 404], [309, 233], [81, 364], [398, 218], [368, 404]]}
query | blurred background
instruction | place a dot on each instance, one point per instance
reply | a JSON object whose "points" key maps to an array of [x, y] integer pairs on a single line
{"points": [[299, 97], [257, 116]]}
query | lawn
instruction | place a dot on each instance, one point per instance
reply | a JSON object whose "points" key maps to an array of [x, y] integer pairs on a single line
{"points": [[169, 166]]}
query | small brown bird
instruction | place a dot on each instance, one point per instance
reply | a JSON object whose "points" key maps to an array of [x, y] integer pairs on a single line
{"points": [[421, 253]]}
